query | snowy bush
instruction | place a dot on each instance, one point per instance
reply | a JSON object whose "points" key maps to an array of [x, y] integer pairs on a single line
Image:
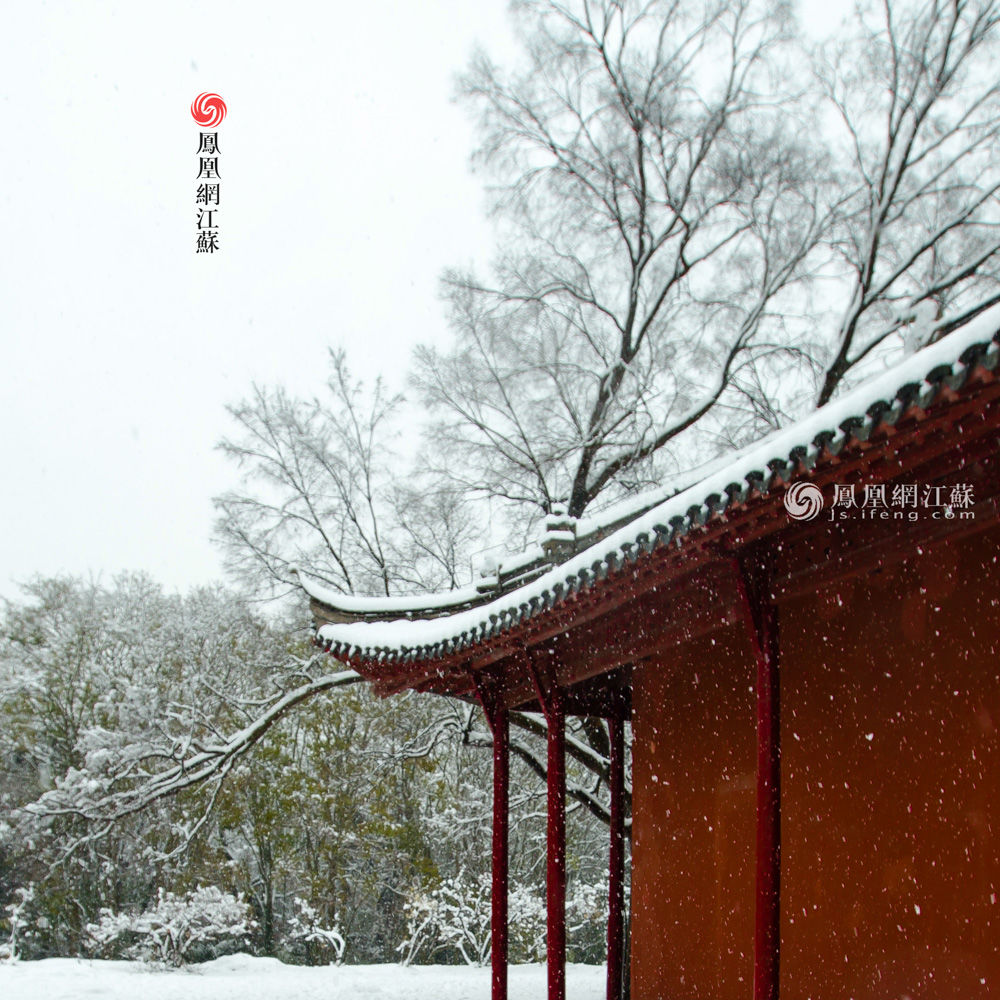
{"points": [[19, 924], [452, 915], [176, 926], [455, 914], [306, 930], [526, 924], [587, 921]]}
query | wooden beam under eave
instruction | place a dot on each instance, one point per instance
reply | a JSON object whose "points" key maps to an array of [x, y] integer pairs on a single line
{"points": [[607, 696], [670, 612], [852, 559], [823, 553]]}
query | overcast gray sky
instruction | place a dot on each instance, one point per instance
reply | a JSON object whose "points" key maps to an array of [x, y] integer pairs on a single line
{"points": [[345, 190]]}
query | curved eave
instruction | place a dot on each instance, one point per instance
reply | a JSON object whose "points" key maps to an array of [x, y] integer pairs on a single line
{"points": [[924, 417]]}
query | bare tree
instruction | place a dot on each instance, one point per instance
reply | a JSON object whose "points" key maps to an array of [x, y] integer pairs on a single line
{"points": [[319, 490], [677, 217], [656, 211], [312, 477], [917, 99]]}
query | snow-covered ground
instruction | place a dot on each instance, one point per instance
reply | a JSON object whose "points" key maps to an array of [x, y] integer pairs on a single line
{"points": [[242, 977]]}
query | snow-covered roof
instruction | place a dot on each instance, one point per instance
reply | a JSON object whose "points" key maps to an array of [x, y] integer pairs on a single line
{"points": [[914, 384], [382, 607]]}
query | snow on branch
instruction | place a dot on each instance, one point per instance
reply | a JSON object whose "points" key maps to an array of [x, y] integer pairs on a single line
{"points": [[114, 787]]}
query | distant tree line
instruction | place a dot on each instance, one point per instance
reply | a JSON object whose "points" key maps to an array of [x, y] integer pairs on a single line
{"points": [[354, 829]]}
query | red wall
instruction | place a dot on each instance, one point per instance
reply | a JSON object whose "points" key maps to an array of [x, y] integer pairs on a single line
{"points": [[693, 819], [890, 799]]}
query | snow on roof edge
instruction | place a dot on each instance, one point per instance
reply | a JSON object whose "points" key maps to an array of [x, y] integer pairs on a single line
{"points": [[355, 604], [409, 634]]}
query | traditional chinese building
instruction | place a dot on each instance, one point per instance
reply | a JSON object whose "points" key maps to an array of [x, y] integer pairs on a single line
{"points": [[805, 640]]}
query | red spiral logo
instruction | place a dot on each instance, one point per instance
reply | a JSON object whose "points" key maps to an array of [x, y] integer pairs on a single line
{"points": [[208, 110]]}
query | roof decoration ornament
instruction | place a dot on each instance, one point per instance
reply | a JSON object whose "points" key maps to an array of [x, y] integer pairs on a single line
{"points": [[559, 537]]}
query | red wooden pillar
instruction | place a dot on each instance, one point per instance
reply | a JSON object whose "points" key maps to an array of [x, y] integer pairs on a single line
{"points": [[762, 623], [616, 866], [490, 697], [550, 698], [555, 883], [500, 724], [767, 944]]}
